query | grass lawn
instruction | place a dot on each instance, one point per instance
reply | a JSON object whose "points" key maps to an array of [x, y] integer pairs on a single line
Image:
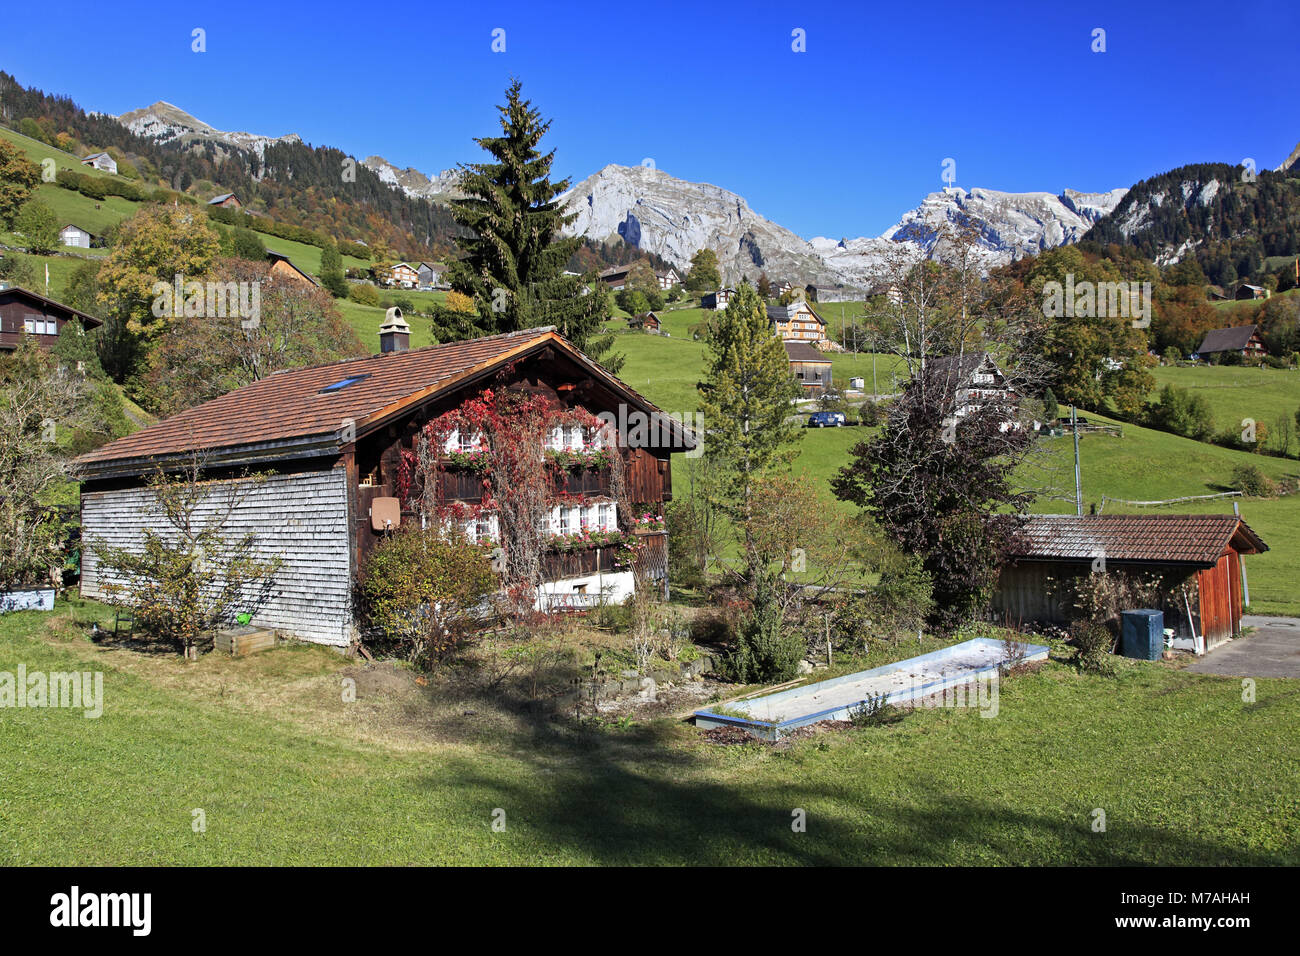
{"points": [[287, 773], [1235, 393]]}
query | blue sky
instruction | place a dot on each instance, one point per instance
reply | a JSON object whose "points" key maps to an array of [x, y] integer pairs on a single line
{"points": [[838, 140]]}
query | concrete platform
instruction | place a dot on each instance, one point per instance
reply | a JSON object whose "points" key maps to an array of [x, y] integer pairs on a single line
{"points": [[1273, 650]]}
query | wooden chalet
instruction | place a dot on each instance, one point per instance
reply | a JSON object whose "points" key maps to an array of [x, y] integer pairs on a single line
{"points": [[403, 275], [74, 236], [226, 201], [668, 278], [282, 267], [1242, 339], [974, 381], [797, 322], [811, 368], [25, 312], [331, 439], [1202, 552], [717, 301], [101, 161], [646, 321]]}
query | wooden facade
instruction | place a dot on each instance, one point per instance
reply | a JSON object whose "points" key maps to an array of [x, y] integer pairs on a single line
{"points": [[25, 312]]}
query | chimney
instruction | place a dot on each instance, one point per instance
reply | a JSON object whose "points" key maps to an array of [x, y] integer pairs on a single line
{"points": [[394, 334]]}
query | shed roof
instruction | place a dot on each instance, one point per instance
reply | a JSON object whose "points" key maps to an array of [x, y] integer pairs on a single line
{"points": [[804, 353], [1153, 538], [1227, 340], [290, 414]]}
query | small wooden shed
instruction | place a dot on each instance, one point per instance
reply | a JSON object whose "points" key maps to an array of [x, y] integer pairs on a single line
{"points": [[1201, 551]]}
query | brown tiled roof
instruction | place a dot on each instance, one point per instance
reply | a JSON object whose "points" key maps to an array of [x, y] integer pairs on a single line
{"points": [[803, 352], [1153, 538], [289, 407], [1227, 340]]}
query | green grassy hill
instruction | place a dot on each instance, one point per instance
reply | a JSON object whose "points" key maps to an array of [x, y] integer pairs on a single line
{"points": [[1235, 393]]}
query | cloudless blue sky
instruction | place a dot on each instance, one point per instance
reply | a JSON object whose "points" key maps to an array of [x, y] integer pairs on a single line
{"points": [[836, 141]]}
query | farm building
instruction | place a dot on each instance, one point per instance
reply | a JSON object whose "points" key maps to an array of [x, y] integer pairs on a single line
{"points": [[225, 201], [429, 275], [717, 301], [810, 367], [25, 311], [1197, 559], [282, 267], [75, 236], [796, 322], [101, 161], [1248, 291], [331, 439], [1243, 339], [647, 321], [616, 277]]}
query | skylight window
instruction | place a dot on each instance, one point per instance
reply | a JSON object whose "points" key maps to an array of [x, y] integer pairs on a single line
{"points": [[343, 383]]}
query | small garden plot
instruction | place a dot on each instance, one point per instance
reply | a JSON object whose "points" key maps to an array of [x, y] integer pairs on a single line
{"points": [[773, 715]]}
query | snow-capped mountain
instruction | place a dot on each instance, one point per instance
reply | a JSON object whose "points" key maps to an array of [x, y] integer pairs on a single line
{"points": [[167, 123], [673, 218]]}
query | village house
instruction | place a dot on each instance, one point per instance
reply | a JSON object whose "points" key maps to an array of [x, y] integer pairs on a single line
{"points": [[101, 161], [717, 301], [647, 321], [75, 236], [282, 267], [403, 275], [24, 311], [429, 275], [797, 322], [1242, 339], [780, 288], [1248, 291], [225, 201], [330, 441], [1197, 559], [615, 277], [811, 368], [668, 278], [973, 381]]}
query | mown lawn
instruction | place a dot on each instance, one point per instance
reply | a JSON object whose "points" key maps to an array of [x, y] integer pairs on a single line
{"points": [[1234, 394], [287, 773]]}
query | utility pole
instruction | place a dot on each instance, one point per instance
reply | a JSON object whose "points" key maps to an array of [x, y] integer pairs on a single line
{"points": [[1078, 484]]}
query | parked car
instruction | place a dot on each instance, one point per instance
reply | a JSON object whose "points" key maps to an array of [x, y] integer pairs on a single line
{"points": [[826, 420]]}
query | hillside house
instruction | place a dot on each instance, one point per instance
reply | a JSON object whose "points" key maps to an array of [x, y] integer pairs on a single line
{"points": [[890, 292], [23, 311], [403, 275], [811, 368], [974, 381], [668, 278], [282, 267], [646, 321], [331, 439], [615, 277], [1198, 554], [428, 275], [101, 161], [1242, 339], [75, 237], [1248, 291], [797, 322], [717, 301], [226, 201]]}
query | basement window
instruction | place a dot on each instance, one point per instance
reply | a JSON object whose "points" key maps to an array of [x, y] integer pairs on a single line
{"points": [[343, 383]]}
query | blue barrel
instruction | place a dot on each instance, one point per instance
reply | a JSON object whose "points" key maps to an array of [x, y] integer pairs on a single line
{"points": [[1142, 634]]}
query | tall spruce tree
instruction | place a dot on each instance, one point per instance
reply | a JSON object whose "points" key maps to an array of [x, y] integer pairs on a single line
{"points": [[747, 395], [514, 259]]}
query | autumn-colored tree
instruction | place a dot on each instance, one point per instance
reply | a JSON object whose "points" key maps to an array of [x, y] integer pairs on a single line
{"points": [[39, 227], [18, 177], [704, 275]]}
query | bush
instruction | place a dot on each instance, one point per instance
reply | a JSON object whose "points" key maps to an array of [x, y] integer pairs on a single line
{"points": [[364, 294], [875, 711], [766, 650], [894, 609], [1249, 480], [871, 413], [417, 591], [1094, 642]]}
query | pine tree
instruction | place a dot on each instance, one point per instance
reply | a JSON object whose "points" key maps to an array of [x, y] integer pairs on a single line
{"points": [[747, 396], [514, 260]]}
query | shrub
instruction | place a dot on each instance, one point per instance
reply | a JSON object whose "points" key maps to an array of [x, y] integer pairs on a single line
{"points": [[1094, 642], [418, 589], [766, 650], [893, 609], [364, 294], [875, 711], [1249, 480]]}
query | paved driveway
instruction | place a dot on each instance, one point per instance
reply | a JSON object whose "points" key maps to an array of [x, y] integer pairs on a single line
{"points": [[1273, 650]]}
